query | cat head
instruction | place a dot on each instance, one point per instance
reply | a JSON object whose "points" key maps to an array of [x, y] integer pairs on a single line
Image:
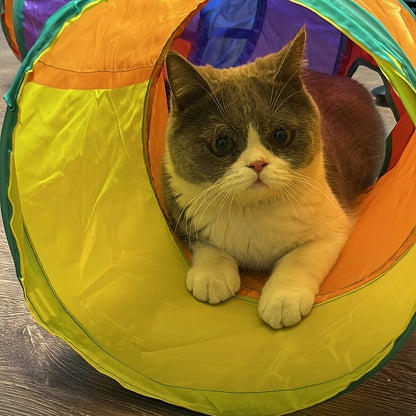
{"points": [[248, 130]]}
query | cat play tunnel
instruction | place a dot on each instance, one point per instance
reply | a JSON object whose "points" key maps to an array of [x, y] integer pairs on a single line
{"points": [[81, 147]]}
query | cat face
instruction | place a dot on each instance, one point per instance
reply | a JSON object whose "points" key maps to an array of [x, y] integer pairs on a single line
{"points": [[248, 130]]}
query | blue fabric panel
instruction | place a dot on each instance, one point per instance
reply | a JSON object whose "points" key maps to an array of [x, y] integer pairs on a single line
{"points": [[233, 32]]}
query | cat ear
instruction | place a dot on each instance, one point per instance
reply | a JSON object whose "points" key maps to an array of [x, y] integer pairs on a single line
{"points": [[289, 60], [186, 83], [293, 52]]}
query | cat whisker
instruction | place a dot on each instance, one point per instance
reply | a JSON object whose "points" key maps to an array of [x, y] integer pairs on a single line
{"points": [[227, 200], [225, 186], [194, 208], [295, 192], [205, 200], [275, 99], [303, 197], [311, 183], [283, 196], [214, 99], [281, 104], [183, 215], [188, 208], [199, 216], [286, 194]]}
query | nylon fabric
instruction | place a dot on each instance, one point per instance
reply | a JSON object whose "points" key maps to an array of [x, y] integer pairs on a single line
{"points": [[124, 62], [396, 56], [34, 15], [163, 308], [17, 6], [7, 25], [213, 34], [101, 269], [225, 30]]}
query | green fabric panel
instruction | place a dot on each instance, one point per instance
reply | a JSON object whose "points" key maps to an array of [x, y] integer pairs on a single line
{"points": [[6, 207], [18, 26], [367, 31]]}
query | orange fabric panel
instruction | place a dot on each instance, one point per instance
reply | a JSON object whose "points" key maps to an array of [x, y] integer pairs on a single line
{"points": [[401, 135], [7, 18], [385, 229], [87, 54], [394, 18], [386, 226], [66, 79], [157, 119]]}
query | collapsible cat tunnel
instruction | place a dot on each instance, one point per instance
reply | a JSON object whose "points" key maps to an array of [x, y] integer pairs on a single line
{"points": [[80, 156]]}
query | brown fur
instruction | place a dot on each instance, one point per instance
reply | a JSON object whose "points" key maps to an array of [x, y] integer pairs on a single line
{"points": [[352, 133]]}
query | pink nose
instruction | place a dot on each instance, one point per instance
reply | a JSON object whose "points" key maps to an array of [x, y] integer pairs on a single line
{"points": [[257, 165]]}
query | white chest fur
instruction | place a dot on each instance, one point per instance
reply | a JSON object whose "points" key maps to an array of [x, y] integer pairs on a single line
{"points": [[258, 235]]}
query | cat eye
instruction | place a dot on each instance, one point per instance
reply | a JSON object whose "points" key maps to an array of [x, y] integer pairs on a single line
{"points": [[283, 137], [221, 145]]}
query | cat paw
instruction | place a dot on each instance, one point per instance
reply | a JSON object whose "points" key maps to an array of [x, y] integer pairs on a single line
{"points": [[214, 284], [286, 307]]}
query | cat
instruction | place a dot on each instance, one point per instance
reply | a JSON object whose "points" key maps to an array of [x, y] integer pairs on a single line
{"points": [[262, 167]]}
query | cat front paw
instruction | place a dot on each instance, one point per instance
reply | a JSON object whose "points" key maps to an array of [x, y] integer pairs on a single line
{"points": [[285, 307], [214, 284]]}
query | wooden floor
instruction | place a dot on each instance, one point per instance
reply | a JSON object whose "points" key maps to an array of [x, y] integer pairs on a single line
{"points": [[41, 376]]}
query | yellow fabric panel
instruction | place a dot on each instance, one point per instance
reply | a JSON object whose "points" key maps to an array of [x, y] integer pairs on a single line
{"points": [[402, 87], [81, 154], [112, 269], [111, 46]]}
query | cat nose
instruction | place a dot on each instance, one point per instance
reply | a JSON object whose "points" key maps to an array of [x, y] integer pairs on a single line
{"points": [[257, 165]]}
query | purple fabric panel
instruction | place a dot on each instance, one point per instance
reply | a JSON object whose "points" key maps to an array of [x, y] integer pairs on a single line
{"points": [[279, 24], [35, 14], [191, 29], [282, 22]]}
